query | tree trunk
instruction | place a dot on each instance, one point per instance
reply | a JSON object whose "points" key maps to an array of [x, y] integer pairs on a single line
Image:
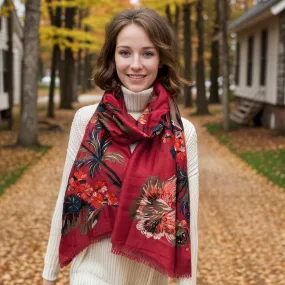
{"points": [[168, 15], [202, 104], [68, 77], [10, 78], [41, 69], [223, 5], [79, 70], [28, 134], [56, 21], [88, 70], [79, 55], [187, 53], [176, 23], [68, 68], [84, 71], [75, 82], [214, 89], [55, 53]]}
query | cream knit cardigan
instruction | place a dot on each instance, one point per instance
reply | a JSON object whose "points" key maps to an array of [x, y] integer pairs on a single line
{"points": [[96, 265]]}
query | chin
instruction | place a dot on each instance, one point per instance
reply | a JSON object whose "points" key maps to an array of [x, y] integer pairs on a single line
{"points": [[136, 88]]}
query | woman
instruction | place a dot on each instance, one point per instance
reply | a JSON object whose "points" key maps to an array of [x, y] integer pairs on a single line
{"points": [[127, 208]]}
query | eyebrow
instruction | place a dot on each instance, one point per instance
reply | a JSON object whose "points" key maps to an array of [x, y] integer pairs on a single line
{"points": [[142, 48]]}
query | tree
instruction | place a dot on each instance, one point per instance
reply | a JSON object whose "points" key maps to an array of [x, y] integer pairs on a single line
{"points": [[202, 105], [214, 89], [55, 18], [10, 78], [187, 53], [28, 134], [174, 24], [68, 68], [223, 9]]}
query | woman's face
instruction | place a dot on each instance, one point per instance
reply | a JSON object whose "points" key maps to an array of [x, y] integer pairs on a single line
{"points": [[136, 58]]}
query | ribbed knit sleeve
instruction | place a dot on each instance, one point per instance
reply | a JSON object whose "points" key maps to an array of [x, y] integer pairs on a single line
{"points": [[193, 176], [51, 262]]}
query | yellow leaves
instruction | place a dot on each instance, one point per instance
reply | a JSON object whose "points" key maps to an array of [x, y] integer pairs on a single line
{"points": [[7, 8], [100, 12], [66, 38], [82, 4]]}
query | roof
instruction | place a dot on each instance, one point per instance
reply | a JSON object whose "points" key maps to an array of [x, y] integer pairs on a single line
{"points": [[258, 11]]}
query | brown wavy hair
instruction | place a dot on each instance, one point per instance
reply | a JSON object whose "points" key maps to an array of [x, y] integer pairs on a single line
{"points": [[163, 38]]}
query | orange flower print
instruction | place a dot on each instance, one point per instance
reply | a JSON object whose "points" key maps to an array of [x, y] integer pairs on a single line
{"points": [[97, 200], [80, 175], [111, 198], [167, 137], [85, 191], [179, 145], [143, 117], [100, 186]]}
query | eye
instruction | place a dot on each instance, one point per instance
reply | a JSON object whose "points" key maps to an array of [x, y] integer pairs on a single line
{"points": [[124, 52], [149, 54]]}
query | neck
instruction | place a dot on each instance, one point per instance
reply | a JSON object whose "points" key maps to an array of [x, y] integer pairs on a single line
{"points": [[136, 101]]}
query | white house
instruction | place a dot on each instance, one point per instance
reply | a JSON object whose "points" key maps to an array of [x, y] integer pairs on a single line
{"points": [[260, 64], [17, 59]]}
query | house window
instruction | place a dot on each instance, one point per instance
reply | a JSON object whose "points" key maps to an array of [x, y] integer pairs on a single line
{"points": [[237, 63], [263, 57], [249, 61], [5, 71]]}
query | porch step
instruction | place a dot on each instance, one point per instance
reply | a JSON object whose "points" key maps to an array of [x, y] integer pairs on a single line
{"points": [[246, 111]]}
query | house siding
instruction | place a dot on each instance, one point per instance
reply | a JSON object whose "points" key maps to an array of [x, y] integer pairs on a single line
{"points": [[18, 54], [281, 62], [267, 93]]}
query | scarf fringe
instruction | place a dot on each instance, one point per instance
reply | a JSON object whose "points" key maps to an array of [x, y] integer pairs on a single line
{"points": [[128, 253]]}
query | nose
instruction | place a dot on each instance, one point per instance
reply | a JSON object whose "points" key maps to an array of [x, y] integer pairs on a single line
{"points": [[136, 63]]}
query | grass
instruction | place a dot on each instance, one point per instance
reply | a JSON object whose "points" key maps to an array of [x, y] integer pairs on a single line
{"points": [[213, 128], [270, 163], [10, 177]]}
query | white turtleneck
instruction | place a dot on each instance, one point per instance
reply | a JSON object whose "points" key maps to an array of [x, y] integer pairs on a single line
{"points": [[96, 265], [136, 101]]}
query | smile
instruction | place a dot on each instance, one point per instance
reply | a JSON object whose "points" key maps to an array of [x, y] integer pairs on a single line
{"points": [[136, 76]]}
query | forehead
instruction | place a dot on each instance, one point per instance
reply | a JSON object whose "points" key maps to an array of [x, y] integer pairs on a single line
{"points": [[133, 35]]}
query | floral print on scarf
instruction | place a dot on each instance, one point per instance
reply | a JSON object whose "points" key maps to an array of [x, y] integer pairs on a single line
{"points": [[155, 209]]}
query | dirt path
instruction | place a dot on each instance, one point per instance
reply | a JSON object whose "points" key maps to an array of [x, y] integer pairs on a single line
{"points": [[241, 220]]}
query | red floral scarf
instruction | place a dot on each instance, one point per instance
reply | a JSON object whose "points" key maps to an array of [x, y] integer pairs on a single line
{"points": [[140, 199]]}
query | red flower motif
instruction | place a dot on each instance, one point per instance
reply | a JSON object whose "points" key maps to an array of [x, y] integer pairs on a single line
{"points": [[72, 187], [179, 145], [80, 175], [155, 209], [167, 137], [97, 200], [100, 186], [85, 191], [143, 117], [111, 198]]}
